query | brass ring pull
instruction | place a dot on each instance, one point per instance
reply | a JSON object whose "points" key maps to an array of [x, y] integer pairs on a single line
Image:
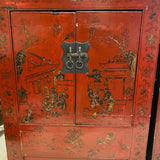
{"points": [[79, 64], [70, 64]]}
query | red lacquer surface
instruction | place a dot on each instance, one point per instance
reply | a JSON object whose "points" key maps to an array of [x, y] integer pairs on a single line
{"points": [[44, 110], [42, 88], [49, 159], [93, 142], [108, 88]]}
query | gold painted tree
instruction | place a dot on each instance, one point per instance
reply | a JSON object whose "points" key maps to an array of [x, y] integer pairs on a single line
{"points": [[129, 56]]}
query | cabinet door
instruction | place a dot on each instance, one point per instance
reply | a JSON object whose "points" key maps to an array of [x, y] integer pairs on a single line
{"points": [[107, 95], [45, 94]]}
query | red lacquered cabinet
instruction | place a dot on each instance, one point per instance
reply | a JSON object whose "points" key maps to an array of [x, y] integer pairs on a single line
{"points": [[77, 78]]}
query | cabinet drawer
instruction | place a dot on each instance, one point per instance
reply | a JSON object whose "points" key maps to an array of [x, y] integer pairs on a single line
{"points": [[76, 142]]}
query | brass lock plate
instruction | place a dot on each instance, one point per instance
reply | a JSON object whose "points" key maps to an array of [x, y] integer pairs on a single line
{"points": [[75, 57]]}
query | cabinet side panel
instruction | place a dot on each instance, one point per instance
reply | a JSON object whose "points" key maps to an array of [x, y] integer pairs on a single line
{"points": [[8, 89], [146, 69]]}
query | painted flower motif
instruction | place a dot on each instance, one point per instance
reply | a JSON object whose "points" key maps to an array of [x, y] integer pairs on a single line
{"points": [[73, 138]]}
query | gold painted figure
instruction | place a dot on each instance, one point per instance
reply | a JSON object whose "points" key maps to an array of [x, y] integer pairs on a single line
{"points": [[96, 75], [107, 96], [54, 96], [62, 101], [110, 104], [94, 98], [60, 75]]}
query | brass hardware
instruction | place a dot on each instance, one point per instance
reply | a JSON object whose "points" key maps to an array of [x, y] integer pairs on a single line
{"points": [[79, 62], [70, 63], [29, 116], [75, 57]]}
